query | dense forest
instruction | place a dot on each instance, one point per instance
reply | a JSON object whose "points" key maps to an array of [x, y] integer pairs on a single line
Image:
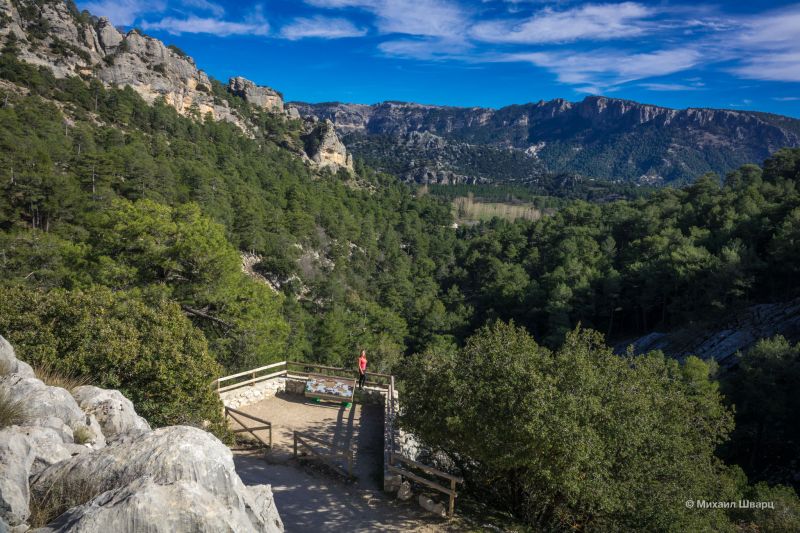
{"points": [[121, 229]]}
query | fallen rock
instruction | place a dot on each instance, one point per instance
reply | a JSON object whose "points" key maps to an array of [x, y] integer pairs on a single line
{"points": [[431, 506], [165, 456], [16, 458], [404, 492], [113, 411]]}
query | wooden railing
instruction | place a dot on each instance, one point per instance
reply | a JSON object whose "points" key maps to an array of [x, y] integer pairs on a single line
{"points": [[337, 452], [254, 376], [451, 491], [250, 429], [293, 369]]}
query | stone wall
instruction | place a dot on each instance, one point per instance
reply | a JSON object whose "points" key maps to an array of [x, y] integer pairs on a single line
{"points": [[250, 394]]}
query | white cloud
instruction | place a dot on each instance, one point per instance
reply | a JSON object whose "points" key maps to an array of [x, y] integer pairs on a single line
{"points": [[123, 12], [787, 98], [592, 21], [321, 27], [426, 49], [768, 46], [253, 25], [604, 69], [431, 18], [205, 5], [669, 87]]}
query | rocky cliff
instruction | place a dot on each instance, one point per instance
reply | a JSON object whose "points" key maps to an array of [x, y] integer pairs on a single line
{"points": [[723, 340], [83, 460], [597, 137], [55, 35]]}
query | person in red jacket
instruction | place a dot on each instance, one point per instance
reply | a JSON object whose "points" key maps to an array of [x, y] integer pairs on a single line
{"points": [[362, 369]]}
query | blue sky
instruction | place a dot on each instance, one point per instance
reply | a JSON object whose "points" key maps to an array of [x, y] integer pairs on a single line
{"points": [[491, 53]]}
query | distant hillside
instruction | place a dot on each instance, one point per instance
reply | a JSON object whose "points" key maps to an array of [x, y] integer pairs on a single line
{"points": [[598, 137]]}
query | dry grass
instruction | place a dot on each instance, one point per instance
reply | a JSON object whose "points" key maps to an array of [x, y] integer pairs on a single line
{"points": [[5, 367], [467, 209], [82, 435], [47, 505], [12, 412], [56, 378]]}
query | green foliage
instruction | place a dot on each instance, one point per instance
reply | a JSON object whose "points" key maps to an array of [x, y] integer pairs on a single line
{"points": [[580, 438], [628, 267], [763, 390], [149, 351]]}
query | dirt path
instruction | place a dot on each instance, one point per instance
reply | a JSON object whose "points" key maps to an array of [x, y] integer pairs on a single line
{"points": [[314, 499], [311, 501]]}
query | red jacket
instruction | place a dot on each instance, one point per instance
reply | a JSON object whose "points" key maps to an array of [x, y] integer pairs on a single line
{"points": [[362, 364]]}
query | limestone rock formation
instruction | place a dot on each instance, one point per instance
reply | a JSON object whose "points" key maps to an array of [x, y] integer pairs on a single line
{"points": [[723, 340], [75, 45], [324, 147], [186, 461], [172, 479], [16, 458], [9, 364], [259, 96], [114, 412]]}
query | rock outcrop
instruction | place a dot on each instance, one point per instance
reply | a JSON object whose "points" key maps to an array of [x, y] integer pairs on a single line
{"points": [[324, 147], [257, 95], [722, 341], [54, 35], [122, 476]]}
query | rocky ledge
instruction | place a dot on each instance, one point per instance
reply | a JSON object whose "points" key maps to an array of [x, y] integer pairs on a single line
{"points": [[86, 458]]}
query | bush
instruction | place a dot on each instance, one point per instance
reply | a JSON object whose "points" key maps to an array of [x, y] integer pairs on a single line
{"points": [[150, 352], [576, 439]]}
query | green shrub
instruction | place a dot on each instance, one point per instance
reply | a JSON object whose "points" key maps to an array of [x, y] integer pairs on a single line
{"points": [[150, 352], [578, 439]]}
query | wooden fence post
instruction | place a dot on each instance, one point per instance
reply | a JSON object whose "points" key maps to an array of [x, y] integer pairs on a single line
{"points": [[452, 507]]}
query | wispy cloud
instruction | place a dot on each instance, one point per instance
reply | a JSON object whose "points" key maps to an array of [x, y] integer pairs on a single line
{"points": [[427, 48], [787, 98], [593, 21], [124, 12], [254, 24], [205, 5], [768, 46], [604, 69], [322, 28], [431, 18], [669, 87]]}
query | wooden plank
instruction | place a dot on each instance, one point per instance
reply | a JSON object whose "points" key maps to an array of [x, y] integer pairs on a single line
{"points": [[420, 479], [248, 415], [250, 428], [247, 372], [426, 468], [245, 426], [250, 381]]}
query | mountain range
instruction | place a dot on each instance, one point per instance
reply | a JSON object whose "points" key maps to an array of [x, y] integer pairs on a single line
{"points": [[598, 137]]}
